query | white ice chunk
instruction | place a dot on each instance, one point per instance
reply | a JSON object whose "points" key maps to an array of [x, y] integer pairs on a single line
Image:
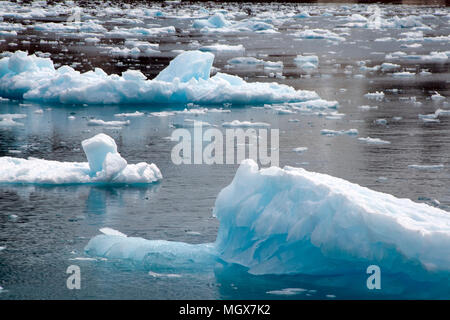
{"points": [[186, 79], [104, 166]]}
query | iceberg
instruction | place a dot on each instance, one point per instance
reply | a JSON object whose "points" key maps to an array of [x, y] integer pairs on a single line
{"points": [[292, 221], [104, 166], [186, 80]]}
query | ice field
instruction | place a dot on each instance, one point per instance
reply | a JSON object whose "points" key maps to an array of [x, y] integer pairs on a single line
{"points": [[89, 98]]}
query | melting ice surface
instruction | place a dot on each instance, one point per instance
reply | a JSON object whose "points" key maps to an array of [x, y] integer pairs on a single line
{"points": [[104, 166], [294, 222], [186, 79]]}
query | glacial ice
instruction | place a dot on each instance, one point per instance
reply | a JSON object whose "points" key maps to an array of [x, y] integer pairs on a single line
{"points": [[104, 166], [292, 221], [186, 79]]}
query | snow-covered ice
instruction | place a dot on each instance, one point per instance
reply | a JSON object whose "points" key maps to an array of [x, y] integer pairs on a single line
{"points": [[104, 166], [186, 79]]}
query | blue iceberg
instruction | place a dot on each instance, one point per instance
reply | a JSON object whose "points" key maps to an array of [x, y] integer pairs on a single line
{"points": [[291, 221]]}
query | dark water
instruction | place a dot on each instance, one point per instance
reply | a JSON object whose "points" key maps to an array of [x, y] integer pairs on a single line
{"points": [[54, 224]]}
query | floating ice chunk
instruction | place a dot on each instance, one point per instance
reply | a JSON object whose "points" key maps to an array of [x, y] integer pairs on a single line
{"points": [[426, 167], [112, 232], [104, 165], [218, 20], [287, 221], [319, 34], [319, 104], [375, 95], [366, 108], [99, 122], [199, 64], [223, 48], [273, 64], [158, 253], [442, 112], [246, 61], [8, 119], [245, 124], [300, 149], [292, 221], [386, 66], [437, 96], [310, 58], [127, 115], [34, 78], [404, 74], [96, 150], [381, 122], [328, 132], [287, 291], [303, 14], [167, 275], [375, 141], [139, 31], [124, 52]]}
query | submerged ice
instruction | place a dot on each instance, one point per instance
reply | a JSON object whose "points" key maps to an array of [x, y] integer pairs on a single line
{"points": [[186, 79], [292, 221], [104, 166]]}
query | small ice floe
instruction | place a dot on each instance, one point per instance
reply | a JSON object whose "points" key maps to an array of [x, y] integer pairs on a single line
{"points": [[223, 48], [425, 73], [71, 117], [366, 108], [162, 114], [381, 122], [307, 62], [2, 248], [248, 61], [319, 34], [375, 95], [335, 116], [245, 124], [287, 291], [112, 232], [193, 233], [85, 259], [300, 149], [99, 122], [397, 119], [442, 112], [104, 166], [39, 111], [404, 74], [293, 120], [426, 167], [273, 65], [374, 141], [8, 119], [382, 179], [330, 296], [437, 96], [164, 275], [430, 120], [330, 133], [129, 115]]}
